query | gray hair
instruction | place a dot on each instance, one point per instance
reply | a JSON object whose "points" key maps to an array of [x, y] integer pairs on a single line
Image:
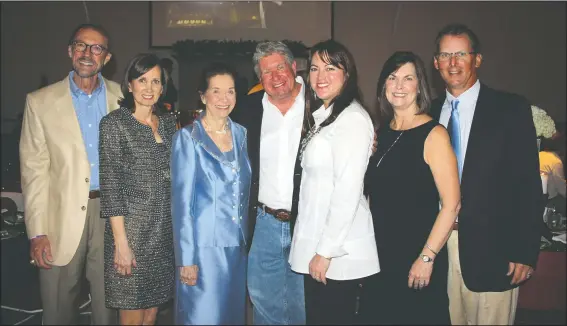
{"points": [[265, 49]]}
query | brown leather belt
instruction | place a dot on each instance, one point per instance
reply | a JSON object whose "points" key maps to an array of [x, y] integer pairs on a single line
{"points": [[456, 226], [94, 194], [282, 215]]}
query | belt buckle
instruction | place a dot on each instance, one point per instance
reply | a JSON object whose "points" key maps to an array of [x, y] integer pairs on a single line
{"points": [[282, 215]]}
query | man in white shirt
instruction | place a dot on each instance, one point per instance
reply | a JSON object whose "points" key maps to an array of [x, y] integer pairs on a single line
{"points": [[495, 243], [274, 118]]}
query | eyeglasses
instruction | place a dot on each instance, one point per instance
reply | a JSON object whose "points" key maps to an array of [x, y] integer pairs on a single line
{"points": [[445, 56], [96, 49]]}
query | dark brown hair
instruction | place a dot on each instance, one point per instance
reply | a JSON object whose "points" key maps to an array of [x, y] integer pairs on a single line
{"points": [[455, 30], [336, 54], [139, 65], [385, 110]]}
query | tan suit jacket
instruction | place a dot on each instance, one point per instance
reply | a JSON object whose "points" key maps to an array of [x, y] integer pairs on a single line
{"points": [[54, 167]]}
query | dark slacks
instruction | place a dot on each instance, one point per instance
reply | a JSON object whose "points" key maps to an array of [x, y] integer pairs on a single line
{"points": [[338, 302]]}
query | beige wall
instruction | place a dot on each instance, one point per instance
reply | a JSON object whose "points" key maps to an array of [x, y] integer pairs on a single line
{"points": [[524, 42]]}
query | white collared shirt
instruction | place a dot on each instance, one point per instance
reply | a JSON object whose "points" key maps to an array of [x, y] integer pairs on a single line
{"points": [[334, 219], [467, 104], [279, 141]]}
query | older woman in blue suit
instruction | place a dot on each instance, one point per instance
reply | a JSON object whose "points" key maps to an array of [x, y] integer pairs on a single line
{"points": [[210, 189]]}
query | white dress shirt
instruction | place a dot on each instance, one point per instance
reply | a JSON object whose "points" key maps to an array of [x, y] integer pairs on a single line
{"points": [[467, 104], [334, 219], [279, 141]]}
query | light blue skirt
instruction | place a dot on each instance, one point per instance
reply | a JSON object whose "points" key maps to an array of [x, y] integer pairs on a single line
{"points": [[219, 297]]}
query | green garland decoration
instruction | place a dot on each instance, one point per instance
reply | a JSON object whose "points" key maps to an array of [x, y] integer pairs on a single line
{"points": [[192, 49]]}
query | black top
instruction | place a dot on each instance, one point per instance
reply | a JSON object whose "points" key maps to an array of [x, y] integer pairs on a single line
{"points": [[403, 197], [404, 203]]}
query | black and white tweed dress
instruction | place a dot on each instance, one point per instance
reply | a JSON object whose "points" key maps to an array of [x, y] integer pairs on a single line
{"points": [[135, 183]]}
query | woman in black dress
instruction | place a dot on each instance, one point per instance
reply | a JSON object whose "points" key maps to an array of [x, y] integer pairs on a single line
{"points": [[411, 175], [135, 146]]}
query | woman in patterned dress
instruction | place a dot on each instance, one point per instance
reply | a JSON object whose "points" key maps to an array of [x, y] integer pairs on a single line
{"points": [[135, 145]]}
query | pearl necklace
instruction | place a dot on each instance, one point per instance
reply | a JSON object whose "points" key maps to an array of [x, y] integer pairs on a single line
{"points": [[224, 128]]}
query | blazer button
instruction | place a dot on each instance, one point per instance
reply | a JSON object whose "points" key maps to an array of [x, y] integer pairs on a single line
{"points": [[86, 179], [233, 218], [83, 208]]}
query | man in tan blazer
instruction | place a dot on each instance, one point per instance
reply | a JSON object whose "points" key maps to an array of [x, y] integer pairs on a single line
{"points": [[59, 167]]}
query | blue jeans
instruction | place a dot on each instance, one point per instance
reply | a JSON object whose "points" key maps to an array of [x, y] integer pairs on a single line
{"points": [[275, 290]]}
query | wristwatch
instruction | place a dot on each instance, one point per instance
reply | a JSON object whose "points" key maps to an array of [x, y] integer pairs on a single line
{"points": [[426, 258]]}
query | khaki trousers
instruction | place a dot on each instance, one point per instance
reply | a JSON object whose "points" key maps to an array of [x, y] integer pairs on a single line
{"points": [[476, 308], [60, 286]]}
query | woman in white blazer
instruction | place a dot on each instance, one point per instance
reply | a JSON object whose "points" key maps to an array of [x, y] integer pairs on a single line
{"points": [[333, 242]]}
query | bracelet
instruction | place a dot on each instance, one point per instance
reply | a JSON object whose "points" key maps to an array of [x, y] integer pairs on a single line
{"points": [[433, 251]]}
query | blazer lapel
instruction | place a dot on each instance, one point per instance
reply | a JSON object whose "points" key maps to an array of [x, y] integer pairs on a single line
{"points": [[200, 135], [111, 97], [476, 136], [437, 106], [67, 116]]}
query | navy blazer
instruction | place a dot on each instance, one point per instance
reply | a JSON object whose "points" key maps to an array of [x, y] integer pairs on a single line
{"points": [[501, 203], [209, 195]]}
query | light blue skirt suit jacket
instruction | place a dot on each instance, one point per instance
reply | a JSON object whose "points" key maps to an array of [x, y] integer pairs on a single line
{"points": [[210, 196]]}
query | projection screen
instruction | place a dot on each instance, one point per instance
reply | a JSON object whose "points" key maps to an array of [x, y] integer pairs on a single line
{"points": [[305, 21]]}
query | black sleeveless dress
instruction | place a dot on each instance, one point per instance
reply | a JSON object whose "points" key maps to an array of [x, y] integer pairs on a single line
{"points": [[404, 203]]}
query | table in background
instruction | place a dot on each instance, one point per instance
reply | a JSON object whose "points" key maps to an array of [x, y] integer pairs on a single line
{"points": [[546, 290]]}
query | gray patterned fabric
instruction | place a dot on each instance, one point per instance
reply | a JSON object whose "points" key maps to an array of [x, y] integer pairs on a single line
{"points": [[135, 183]]}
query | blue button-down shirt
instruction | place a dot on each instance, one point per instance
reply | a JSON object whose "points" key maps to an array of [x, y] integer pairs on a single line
{"points": [[90, 109]]}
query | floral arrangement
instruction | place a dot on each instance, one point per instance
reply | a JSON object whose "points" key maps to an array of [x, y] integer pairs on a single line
{"points": [[544, 125]]}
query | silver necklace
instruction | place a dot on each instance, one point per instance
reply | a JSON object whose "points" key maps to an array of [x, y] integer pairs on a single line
{"points": [[389, 148], [395, 141]]}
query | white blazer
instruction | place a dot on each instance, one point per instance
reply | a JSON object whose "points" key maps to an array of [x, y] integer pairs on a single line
{"points": [[334, 219]]}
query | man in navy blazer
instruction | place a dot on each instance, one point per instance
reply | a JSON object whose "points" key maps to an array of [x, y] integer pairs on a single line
{"points": [[495, 242]]}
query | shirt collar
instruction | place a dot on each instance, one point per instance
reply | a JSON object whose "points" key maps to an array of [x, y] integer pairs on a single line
{"points": [[75, 90], [322, 113], [469, 96], [299, 102]]}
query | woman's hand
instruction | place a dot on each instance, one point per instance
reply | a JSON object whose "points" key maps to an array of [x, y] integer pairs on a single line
{"points": [[420, 274], [188, 274], [124, 259], [318, 268]]}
